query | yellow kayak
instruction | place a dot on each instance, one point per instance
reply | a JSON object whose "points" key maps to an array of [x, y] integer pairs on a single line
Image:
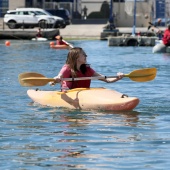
{"points": [[85, 99]]}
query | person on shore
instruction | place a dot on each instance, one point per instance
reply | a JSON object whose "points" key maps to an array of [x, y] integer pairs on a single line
{"points": [[76, 66], [39, 33], [159, 20], [166, 36], [84, 10]]}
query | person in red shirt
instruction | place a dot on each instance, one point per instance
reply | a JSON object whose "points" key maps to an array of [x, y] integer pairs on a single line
{"points": [[39, 33], [60, 40], [76, 66], [166, 36]]}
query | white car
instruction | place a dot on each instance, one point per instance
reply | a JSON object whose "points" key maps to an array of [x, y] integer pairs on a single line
{"points": [[60, 22], [32, 17]]}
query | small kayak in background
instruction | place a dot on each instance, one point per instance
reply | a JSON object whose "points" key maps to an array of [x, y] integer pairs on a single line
{"points": [[39, 39], [159, 48], [85, 99], [158, 42]]}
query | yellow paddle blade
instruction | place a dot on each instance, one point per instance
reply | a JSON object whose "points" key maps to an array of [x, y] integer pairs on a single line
{"points": [[29, 74], [33, 79], [142, 75]]}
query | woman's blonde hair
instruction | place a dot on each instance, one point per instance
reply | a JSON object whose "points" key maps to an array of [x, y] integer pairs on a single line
{"points": [[72, 59]]}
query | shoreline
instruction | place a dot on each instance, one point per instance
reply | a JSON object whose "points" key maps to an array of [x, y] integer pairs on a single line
{"points": [[88, 30]]}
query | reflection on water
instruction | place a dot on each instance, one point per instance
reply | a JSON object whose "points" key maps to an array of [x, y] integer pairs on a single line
{"points": [[166, 56]]}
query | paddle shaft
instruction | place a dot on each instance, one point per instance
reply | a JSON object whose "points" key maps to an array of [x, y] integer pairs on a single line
{"points": [[68, 43], [97, 77], [69, 79]]}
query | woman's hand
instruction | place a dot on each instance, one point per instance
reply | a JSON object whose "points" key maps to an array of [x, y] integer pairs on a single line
{"points": [[57, 80], [119, 77]]}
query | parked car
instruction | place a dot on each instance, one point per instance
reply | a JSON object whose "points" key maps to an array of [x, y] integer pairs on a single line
{"points": [[63, 13], [60, 21], [32, 17]]}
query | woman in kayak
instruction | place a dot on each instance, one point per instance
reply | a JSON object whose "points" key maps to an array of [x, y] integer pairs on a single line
{"points": [[76, 66]]}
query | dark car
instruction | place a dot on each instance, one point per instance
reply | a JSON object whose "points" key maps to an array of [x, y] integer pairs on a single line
{"points": [[63, 13]]}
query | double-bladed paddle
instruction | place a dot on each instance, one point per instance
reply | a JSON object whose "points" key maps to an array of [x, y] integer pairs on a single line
{"points": [[152, 25], [36, 79]]}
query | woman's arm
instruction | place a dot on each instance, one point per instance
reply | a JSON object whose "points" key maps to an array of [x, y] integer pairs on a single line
{"points": [[64, 73], [110, 80]]}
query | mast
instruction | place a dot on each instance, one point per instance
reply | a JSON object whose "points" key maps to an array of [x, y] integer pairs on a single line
{"points": [[134, 20]]}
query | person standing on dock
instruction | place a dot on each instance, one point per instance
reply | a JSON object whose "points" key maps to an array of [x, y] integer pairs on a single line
{"points": [[84, 12]]}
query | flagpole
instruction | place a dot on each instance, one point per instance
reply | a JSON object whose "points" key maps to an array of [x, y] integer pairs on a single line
{"points": [[111, 17], [134, 20]]}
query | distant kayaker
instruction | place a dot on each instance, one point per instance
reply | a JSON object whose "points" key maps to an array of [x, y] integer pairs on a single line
{"points": [[166, 36], [60, 40], [39, 33], [76, 66]]}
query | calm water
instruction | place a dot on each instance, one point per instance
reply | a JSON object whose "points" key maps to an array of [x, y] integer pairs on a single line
{"points": [[37, 137]]}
